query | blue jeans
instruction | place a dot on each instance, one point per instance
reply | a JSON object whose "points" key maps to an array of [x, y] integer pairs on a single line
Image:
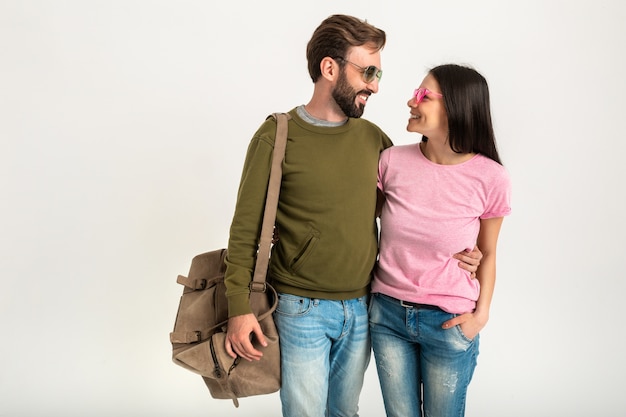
{"points": [[420, 364], [325, 349]]}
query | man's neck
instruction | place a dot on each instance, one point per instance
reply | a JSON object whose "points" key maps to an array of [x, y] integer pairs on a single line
{"points": [[309, 118]]}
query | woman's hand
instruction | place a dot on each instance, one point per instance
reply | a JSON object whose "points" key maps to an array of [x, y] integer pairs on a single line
{"points": [[471, 324]]}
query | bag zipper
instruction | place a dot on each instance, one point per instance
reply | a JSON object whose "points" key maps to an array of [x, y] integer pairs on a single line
{"points": [[217, 371]]}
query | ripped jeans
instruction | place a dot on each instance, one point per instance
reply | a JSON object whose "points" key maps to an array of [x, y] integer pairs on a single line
{"points": [[411, 347]]}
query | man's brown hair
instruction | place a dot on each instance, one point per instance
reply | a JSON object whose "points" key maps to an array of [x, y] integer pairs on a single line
{"points": [[338, 33]]}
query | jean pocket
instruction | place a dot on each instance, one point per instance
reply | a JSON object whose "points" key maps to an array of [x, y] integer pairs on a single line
{"points": [[293, 305], [462, 335]]}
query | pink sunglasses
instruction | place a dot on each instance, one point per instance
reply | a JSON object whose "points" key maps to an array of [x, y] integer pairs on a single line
{"points": [[420, 93]]}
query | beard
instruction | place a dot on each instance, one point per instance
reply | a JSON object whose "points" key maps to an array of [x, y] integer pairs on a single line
{"points": [[345, 97]]}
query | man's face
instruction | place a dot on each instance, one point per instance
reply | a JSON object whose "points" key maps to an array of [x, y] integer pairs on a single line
{"points": [[353, 87], [346, 97]]}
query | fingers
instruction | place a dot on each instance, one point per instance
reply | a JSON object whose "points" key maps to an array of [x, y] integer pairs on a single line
{"points": [[239, 337], [246, 350], [260, 337], [466, 266], [468, 324], [456, 321], [472, 258], [469, 261], [229, 349], [450, 323], [476, 254]]}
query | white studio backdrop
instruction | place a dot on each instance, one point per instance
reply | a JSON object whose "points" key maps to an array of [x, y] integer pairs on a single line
{"points": [[123, 128]]}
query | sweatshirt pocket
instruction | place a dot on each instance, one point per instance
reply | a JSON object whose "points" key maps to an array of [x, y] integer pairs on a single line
{"points": [[305, 250]]}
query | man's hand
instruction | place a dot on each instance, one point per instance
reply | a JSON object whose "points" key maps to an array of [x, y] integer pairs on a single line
{"points": [[238, 341], [469, 260]]}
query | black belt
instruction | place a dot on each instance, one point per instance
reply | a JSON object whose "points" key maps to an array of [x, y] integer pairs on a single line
{"points": [[418, 306], [408, 304]]}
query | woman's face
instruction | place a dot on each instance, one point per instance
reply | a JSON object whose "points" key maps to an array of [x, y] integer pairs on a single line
{"points": [[428, 114]]}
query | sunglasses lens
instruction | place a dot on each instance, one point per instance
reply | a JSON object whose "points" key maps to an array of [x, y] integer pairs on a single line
{"points": [[371, 73], [419, 95]]}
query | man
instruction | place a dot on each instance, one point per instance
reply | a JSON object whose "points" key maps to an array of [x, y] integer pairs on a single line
{"points": [[327, 237]]}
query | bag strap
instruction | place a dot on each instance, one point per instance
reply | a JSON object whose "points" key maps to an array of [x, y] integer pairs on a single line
{"points": [[271, 203]]}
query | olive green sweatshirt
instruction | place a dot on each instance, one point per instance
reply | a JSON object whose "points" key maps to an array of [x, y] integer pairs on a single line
{"points": [[326, 212]]}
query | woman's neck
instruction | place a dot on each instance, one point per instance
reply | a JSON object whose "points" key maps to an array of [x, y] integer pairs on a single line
{"points": [[440, 152]]}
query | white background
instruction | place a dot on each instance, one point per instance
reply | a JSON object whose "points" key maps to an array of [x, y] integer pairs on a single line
{"points": [[123, 128]]}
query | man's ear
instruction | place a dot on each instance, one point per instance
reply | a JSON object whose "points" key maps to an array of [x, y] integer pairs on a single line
{"points": [[329, 68]]}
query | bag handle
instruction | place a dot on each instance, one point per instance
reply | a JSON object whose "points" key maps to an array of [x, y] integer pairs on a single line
{"points": [[271, 203]]}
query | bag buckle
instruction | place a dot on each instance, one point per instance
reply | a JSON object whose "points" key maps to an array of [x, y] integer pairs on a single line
{"points": [[256, 286]]}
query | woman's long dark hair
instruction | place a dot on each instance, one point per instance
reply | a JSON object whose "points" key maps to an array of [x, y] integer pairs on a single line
{"points": [[466, 100]]}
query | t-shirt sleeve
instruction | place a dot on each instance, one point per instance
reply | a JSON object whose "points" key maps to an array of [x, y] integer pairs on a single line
{"points": [[499, 197], [383, 164]]}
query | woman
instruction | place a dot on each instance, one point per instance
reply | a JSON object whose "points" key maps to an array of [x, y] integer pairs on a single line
{"points": [[442, 195]]}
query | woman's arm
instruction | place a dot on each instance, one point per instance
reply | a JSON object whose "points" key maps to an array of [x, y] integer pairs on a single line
{"points": [[472, 323]]}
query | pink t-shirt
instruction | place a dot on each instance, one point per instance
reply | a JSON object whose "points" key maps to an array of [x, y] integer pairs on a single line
{"points": [[432, 212]]}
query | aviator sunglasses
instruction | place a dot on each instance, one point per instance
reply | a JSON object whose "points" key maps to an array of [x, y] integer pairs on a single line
{"points": [[420, 93], [369, 73]]}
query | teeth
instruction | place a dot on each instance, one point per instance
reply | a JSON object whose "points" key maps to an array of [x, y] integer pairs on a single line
{"points": [[365, 97]]}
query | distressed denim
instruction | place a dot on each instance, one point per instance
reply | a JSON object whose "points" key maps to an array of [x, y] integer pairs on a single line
{"points": [[411, 347], [325, 350]]}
